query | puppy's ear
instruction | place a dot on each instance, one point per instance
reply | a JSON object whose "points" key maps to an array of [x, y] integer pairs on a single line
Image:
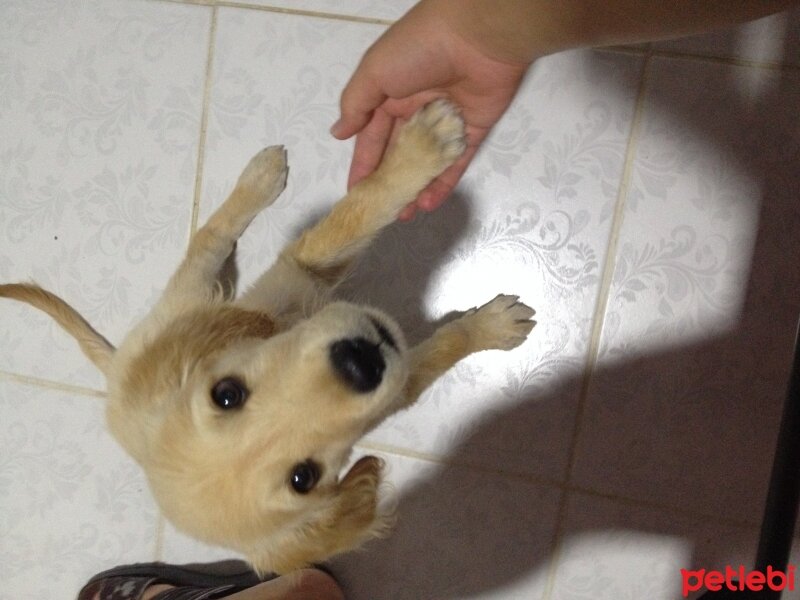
{"points": [[351, 519], [94, 345]]}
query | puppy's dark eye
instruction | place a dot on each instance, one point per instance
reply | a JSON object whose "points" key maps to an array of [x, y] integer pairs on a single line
{"points": [[305, 476], [229, 393]]}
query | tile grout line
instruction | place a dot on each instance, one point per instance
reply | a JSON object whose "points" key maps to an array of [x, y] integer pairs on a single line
{"points": [[731, 61], [158, 541], [556, 543], [604, 292], [159, 533], [188, 2], [443, 460], [446, 461], [598, 319], [203, 134], [662, 508], [304, 13], [316, 14]]}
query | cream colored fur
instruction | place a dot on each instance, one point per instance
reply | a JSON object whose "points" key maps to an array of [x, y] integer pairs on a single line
{"points": [[223, 475]]}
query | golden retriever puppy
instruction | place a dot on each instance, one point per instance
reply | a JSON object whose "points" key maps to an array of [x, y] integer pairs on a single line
{"points": [[243, 413]]}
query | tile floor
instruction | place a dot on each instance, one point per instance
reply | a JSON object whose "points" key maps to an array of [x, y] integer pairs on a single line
{"points": [[644, 200]]}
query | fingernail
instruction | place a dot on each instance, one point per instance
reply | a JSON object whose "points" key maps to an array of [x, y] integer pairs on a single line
{"points": [[336, 128]]}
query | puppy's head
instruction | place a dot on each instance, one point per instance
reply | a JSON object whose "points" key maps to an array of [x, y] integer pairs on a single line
{"points": [[243, 429]]}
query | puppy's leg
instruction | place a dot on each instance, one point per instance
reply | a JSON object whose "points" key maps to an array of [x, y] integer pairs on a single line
{"points": [[426, 146], [429, 143], [502, 324], [261, 182]]}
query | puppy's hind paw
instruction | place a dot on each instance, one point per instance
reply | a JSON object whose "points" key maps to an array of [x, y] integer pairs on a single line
{"points": [[502, 324], [264, 177]]}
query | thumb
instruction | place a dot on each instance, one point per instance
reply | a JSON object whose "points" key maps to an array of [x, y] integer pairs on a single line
{"points": [[360, 97]]}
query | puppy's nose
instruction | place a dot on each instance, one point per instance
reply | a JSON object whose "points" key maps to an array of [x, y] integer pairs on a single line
{"points": [[359, 363]]}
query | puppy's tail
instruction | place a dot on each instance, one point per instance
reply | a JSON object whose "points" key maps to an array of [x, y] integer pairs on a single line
{"points": [[94, 345]]}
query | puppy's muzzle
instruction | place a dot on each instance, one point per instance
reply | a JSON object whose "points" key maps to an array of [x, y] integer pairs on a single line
{"points": [[359, 363]]}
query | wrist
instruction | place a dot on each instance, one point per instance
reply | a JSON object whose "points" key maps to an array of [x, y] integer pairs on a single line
{"points": [[510, 31]]}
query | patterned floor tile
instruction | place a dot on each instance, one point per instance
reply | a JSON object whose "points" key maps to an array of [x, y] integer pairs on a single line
{"points": [[619, 551], [100, 117], [703, 308], [71, 502], [460, 534]]}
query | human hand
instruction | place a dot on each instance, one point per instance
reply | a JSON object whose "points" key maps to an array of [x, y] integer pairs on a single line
{"points": [[420, 58]]}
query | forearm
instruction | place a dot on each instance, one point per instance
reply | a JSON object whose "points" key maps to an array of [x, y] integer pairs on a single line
{"points": [[523, 30]]}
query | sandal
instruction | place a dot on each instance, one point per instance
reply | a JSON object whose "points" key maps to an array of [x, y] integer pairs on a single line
{"points": [[192, 582]]}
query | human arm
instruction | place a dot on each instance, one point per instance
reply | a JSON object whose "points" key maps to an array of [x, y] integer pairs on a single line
{"points": [[476, 52]]}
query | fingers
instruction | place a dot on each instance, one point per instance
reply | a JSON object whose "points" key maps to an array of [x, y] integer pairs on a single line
{"points": [[370, 145], [360, 97], [433, 196], [407, 214], [379, 132], [440, 188], [376, 134]]}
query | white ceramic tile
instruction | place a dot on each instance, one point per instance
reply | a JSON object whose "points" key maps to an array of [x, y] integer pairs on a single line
{"points": [[459, 534], [99, 125], [178, 548], [703, 307], [616, 551], [773, 39], [277, 80], [71, 502], [370, 9]]}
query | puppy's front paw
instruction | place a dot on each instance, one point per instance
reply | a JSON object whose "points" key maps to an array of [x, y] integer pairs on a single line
{"points": [[432, 140], [502, 324], [264, 177], [441, 121]]}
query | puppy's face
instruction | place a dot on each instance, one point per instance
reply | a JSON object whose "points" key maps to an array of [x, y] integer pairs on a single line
{"points": [[247, 431]]}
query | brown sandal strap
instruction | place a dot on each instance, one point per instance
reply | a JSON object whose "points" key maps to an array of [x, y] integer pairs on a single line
{"points": [[128, 582], [197, 593], [116, 588]]}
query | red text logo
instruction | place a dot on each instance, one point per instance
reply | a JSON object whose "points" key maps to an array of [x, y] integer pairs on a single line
{"points": [[737, 580]]}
